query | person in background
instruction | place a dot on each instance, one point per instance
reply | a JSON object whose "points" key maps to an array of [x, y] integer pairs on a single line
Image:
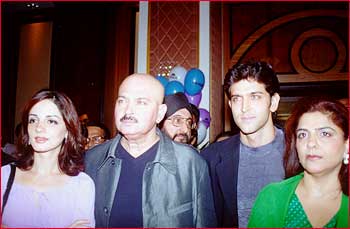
{"points": [[181, 119], [9, 149], [345, 102], [97, 134], [243, 164], [194, 129], [84, 119], [316, 193], [49, 187], [143, 179]]}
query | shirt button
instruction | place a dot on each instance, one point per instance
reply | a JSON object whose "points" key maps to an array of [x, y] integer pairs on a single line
{"points": [[105, 209], [113, 162]]}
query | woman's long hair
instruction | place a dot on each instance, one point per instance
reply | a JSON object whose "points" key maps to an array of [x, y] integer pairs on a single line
{"points": [[70, 157]]}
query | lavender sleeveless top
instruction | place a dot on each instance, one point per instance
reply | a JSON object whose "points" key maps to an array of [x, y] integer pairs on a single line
{"points": [[55, 207]]}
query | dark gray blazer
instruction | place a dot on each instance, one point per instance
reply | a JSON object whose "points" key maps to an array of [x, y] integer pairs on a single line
{"points": [[223, 158]]}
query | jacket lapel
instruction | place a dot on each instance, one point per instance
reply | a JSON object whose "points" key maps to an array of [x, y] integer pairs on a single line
{"points": [[227, 171], [108, 173], [165, 153]]}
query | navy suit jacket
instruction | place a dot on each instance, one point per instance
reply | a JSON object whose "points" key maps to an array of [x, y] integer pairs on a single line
{"points": [[223, 158]]}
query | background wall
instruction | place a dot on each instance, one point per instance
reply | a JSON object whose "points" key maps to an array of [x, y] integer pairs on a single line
{"points": [[85, 52], [216, 64], [173, 35], [33, 63], [306, 43], [89, 48]]}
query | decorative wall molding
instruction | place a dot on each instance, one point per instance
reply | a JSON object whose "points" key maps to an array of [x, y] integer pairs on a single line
{"points": [[263, 30]]}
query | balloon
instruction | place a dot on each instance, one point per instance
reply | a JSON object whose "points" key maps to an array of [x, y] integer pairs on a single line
{"points": [[194, 99], [202, 132], [178, 73], [164, 81], [194, 81], [204, 116], [173, 87]]}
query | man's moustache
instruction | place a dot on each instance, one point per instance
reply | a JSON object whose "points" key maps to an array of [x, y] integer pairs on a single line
{"points": [[184, 136], [128, 118]]}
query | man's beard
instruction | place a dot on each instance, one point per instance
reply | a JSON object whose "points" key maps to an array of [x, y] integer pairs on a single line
{"points": [[183, 138]]}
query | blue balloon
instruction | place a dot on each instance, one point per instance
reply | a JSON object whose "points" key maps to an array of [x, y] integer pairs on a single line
{"points": [[173, 87], [194, 81], [164, 81]]}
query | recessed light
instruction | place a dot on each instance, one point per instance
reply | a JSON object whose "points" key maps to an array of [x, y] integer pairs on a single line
{"points": [[33, 5]]}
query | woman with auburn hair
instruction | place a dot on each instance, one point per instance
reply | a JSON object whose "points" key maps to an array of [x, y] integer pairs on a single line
{"points": [[48, 188], [316, 163]]}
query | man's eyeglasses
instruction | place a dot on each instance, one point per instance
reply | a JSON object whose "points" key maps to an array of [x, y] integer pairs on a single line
{"points": [[178, 121], [95, 139]]}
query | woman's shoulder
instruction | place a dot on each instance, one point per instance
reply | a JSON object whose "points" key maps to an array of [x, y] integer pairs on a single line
{"points": [[5, 173], [5, 169], [83, 186], [83, 178], [281, 186]]}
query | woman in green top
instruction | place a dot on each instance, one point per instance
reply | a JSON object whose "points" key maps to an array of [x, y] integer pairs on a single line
{"points": [[316, 165]]}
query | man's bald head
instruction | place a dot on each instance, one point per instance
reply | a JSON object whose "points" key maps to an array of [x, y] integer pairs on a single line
{"points": [[144, 83]]}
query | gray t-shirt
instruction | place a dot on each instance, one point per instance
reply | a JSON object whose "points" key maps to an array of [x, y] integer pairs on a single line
{"points": [[257, 168]]}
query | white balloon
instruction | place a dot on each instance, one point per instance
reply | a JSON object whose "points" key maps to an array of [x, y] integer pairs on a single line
{"points": [[178, 73], [202, 132]]}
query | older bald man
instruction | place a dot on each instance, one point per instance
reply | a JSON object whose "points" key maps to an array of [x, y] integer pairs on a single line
{"points": [[142, 178]]}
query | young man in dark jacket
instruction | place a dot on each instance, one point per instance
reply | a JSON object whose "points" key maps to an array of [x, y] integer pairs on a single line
{"points": [[244, 163]]}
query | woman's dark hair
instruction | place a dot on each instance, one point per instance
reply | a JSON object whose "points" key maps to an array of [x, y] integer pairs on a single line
{"points": [[339, 115], [70, 158], [258, 71]]}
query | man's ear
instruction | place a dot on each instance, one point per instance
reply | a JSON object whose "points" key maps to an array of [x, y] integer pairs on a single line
{"points": [[275, 100], [229, 103], [162, 108]]}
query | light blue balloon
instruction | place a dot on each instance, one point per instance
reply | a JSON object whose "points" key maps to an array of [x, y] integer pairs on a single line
{"points": [[194, 81], [173, 87], [202, 132], [178, 73], [164, 81]]}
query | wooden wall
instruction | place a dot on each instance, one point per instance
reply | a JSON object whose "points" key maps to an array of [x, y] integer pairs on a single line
{"points": [[173, 35], [306, 44], [216, 73]]}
